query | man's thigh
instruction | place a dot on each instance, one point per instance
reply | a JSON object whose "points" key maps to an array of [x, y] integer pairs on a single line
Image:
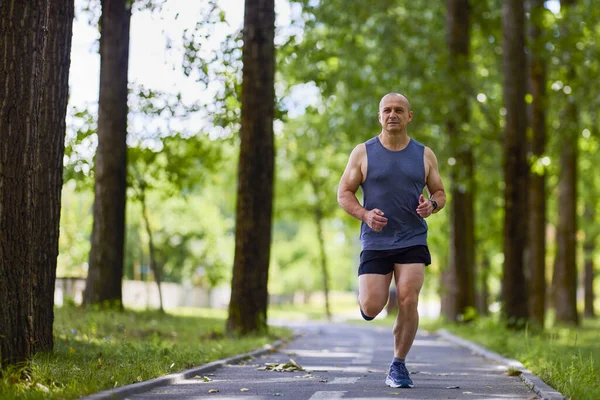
{"points": [[409, 278], [374, 287]]}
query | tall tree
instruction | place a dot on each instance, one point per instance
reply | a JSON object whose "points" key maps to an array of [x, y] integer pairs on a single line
{"points": [[460, 294], [35, 39], [589, 246], [108, 232], [514, 289], [22, 38], [50, 153], [249, 296], [537, 188], [564, 279]]}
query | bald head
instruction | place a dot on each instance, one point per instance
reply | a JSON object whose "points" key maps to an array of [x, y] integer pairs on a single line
{"points": [[394, 96]]}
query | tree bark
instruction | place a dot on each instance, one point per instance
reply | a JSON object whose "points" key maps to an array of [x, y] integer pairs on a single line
{"points": [[514, 289], [564, 278], [103, 285], [318, 213], [461, 295], [156, 269], [50, 153], [588, 255], [23, 36], [537, 189], [249, 294], [484, 293]]}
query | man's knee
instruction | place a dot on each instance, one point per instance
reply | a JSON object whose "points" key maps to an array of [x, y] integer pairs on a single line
{"points": [[408, 302], [371, 307]]}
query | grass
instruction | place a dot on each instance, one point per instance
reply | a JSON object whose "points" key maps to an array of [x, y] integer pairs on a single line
{"points": [[566, 358], [96, 351]]}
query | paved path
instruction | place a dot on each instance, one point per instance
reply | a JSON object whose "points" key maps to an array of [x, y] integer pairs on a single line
{"points": [[350, 361]]}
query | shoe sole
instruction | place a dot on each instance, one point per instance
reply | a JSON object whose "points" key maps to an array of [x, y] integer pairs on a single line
{"points": [[390, 382]]}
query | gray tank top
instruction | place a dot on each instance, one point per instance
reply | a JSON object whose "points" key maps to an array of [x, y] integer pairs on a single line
{"points": [[395, 180]]}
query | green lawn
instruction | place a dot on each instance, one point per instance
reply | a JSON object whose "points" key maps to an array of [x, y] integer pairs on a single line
{"points": [[95, 350]]}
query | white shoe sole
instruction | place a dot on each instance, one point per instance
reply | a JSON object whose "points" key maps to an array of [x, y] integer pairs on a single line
{"points": [[390, 382]]}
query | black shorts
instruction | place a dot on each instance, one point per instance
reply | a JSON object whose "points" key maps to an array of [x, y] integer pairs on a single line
{"points": [[382, 261]]}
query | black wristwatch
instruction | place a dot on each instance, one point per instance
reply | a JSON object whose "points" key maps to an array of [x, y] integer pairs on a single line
{"points": [[434, 204]]}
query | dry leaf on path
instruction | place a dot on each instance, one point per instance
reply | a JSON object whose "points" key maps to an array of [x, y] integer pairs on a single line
{"points": [[289, 366]]}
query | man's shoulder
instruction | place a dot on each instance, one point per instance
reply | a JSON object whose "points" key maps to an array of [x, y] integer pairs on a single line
{"points": [[417, 143], [426, 149], [371, 141]]}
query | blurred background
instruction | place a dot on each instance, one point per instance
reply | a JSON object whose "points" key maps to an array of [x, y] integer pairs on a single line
{"points": [[334, 61]]}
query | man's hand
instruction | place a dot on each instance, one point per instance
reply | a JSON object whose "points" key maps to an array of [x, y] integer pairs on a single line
{"points": [[425, 208], [375, 220]]}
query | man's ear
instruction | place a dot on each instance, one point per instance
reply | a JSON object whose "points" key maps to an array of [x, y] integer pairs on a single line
{"points": [[410, 115]]}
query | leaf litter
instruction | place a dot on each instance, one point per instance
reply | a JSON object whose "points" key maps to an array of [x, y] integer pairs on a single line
{"points": [[289, 366]]}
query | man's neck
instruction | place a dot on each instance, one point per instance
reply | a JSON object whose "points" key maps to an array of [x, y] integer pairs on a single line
{"points": [[394, 141]]}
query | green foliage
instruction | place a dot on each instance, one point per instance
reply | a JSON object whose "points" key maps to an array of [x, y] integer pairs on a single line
{"points": [[339, 58]]}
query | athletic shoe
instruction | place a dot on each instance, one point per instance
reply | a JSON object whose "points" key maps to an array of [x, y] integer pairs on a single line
{"points": [[398, 377]]}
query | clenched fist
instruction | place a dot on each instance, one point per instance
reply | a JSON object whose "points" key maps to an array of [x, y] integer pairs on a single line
{"points": [[375, 220]]}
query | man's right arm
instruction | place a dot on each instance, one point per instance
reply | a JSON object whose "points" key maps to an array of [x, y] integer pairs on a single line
{"points": [[351, 180]]}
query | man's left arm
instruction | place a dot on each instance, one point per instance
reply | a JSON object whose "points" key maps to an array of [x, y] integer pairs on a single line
{"points": [[434, 183]]}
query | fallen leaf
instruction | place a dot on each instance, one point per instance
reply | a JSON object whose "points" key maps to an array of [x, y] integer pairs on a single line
{"points": [[139, 379], [452, 387], [244, 389], [277, 394], [197, 377], [289, 366], [324, 380], [467, 392], [213, 391]]}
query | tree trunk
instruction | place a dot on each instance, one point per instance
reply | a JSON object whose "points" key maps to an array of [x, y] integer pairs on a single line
{"points": [[156, 270], [462, 240], [537, 189], [514, 289], [484, 292], [564, 279], [50, 153], [249, 294], [323, 254], [448, 294], [103, 285], [23, 26], [588, 255]]}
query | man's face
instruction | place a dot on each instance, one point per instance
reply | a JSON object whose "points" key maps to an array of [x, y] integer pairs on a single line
{"points": [[394, 113]]}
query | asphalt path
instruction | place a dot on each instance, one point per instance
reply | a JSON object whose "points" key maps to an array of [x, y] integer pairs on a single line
{"points": [[350, 361]]}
